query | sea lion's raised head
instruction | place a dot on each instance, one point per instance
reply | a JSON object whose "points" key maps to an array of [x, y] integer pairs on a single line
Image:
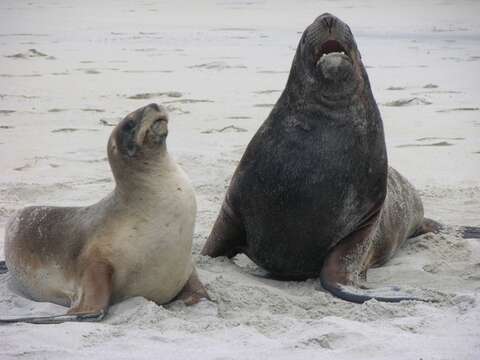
{"points": [[139, 139], [327, 61]]}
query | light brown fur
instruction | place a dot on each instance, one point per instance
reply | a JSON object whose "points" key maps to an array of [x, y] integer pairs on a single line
{"points": [[134, 242]]}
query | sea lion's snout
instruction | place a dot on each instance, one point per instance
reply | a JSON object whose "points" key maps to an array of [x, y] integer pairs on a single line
{"points": [[154, 127], [145, 128], [335, 66]]}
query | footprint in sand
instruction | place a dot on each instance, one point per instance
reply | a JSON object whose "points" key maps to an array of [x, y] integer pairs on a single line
{"points": [[93, 110], [24, 167], [440, 143], [147, 71], [29, 54], [176, 109], [459, 109], [272, 72], [226, 129], [439, 138], [18, 96], [20, 75], [331, 340], [262, 92], [407, 102], [216, 65], [110, 122], [264, 105], [145, 49], [144, 96], [91, 71], [235, 29], [395, 88], [238, 117], [189, 101], [69, 130]]}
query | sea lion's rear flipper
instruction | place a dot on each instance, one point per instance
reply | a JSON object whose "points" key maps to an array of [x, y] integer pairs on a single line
{"points": [[470, 232], [193, 291], [227, 237], [3, 267], [93, 301], [429, 225], [346, 264]]}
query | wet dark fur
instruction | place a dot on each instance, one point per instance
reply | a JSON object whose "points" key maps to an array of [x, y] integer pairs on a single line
{"points": [[309, 197], [310, 176]]}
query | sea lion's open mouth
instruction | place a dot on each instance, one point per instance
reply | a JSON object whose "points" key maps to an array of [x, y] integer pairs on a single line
{"points": [[157, 132], [331, 47]]}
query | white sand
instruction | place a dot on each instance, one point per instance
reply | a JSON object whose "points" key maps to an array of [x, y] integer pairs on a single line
{"points": [[236, 55]]}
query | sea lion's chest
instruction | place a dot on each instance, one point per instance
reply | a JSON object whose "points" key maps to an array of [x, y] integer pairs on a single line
{"points": [[303, 185], [150, 241], [306, 157]]}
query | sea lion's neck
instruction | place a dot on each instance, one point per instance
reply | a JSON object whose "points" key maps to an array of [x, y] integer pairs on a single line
{"points": [[305, 88], [143, 181]]}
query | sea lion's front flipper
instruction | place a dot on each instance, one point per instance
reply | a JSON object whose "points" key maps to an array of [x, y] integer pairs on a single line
{"points": [[93, 301], [347, 263], [193, 291], [56, 319], [227, 237]]}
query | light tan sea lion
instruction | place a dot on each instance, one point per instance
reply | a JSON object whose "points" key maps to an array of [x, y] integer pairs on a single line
{"points": [[137, 241]]}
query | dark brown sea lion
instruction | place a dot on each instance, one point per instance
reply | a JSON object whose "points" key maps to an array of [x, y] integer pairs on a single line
{"points": [[137, 241], [313, 195]]}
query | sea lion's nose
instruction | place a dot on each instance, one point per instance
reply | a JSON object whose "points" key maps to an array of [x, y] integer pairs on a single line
{"points": [[328, 21], [153, 106]]}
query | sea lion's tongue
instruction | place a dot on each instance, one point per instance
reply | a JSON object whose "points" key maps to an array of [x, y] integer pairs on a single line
{"points": [[335, 66]]}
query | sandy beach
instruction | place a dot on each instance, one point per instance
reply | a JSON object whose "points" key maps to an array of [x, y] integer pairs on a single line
{"points": [[70, 70]]}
